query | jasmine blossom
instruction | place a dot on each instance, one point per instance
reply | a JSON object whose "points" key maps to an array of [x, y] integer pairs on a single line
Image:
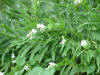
{"points": [[30, 35], [26, 67], [41, 27], [13, 61], [63, 41], [51, 64], [83, 43], [76, 2], [13, 56], [1, 73], [34, 31]]}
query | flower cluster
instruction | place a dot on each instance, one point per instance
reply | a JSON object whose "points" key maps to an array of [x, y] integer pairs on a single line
{"points": [[76, 2], [41, 27], [63, 41], [51, 64], [31, 33]]}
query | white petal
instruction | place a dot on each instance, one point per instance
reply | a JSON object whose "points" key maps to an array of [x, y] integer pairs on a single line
{"points": [[31, 37], [52, 64], [83, 43], [62, 37], [63, 40], [13, 56], [40, 26], [1, 73], [77, 2], [26, 67], [13, 61], [34, 31], [28, 35]]}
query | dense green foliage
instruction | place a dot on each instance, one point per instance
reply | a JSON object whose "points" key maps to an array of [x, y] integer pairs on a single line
{"points": [[61, 18]]}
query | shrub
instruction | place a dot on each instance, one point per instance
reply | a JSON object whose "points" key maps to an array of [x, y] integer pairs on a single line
{"points": [[55, 37]]}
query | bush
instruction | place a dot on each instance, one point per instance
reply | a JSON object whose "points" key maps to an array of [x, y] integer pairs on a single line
{"points": [[55, 37]]}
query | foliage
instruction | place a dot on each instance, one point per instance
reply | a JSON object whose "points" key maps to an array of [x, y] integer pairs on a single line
{"points": [[61, 18]]}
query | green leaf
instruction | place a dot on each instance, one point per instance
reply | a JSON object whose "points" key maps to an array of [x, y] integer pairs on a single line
{"points": [[96, 36], [54, 47], [42, 54], [62, 70], [49, 71], [98, 63], [88, 68], [20, 61], [67, 70], [36, 71], [74, 70]]}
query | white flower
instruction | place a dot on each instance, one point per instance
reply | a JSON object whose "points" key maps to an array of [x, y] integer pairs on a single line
{"points": [[51, 3], [37, 2], [34, 31], [31, 33], [51, 64], [28, 35], [77, 2], [13, 61], [1, 73], [41, 27], [63, 40], [83, 43], [26, 67], [31, 37], [13, 56]]}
